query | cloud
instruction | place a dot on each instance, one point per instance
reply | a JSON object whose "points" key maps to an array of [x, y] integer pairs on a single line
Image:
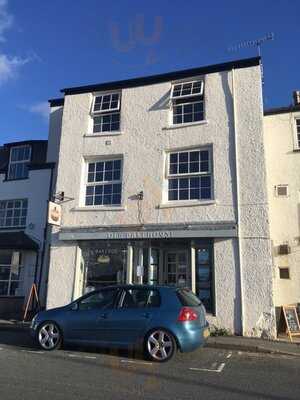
{"points": [[9, 66], [41, 108], [6, 19]]}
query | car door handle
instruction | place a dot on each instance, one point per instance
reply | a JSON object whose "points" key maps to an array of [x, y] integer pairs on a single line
{"points": [[146, 315], [102, 316]]}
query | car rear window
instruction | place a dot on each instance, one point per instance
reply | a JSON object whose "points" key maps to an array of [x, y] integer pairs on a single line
{"points": [[187, 298], [141, 298]]}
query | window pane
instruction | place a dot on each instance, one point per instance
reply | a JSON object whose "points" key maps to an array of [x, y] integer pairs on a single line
{"points": [[89, 201], [141, 298], [205, 193], [183, 168], [183, 194], [116, 199], [103, 299], [99, 189], [173, 195], [183, 157], [98, 200], [173, 183], [89, 190]]}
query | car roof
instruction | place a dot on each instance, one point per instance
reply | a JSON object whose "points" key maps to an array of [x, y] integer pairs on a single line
{"points": [[139, 286]]}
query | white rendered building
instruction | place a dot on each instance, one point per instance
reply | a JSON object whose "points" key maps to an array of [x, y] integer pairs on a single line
{"points": [[164, 179]]}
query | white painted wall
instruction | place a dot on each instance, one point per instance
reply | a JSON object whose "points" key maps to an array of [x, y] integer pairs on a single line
{"points": [[144, 139], [36, 190], [283, 166]]}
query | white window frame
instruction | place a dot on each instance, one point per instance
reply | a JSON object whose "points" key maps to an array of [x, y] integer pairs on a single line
{"points": [[188, 174], [192, 101], [112, 182], [10, 280], [110, 110], [187, 95], [19, 161], [12, 217], [296, 134], [282, 186], [104, 113]]}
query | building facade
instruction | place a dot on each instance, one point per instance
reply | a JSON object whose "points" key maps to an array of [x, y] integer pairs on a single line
{"points": [[282, 144], [161, 185], [25, 179]]}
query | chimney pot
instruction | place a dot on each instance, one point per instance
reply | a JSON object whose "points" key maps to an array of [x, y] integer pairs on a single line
{"points": [[296, 96]]}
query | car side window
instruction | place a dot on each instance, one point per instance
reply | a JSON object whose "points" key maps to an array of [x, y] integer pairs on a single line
{"points": [[140, 298], [99, 300]]}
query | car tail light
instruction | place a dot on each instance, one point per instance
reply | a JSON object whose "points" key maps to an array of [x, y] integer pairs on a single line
{"points": [[187, 314]]}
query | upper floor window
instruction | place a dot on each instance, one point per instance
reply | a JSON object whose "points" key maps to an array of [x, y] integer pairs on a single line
{"points": [[187, 102], [13, 213], [20, 157], [189, 175], [106, 113], [104, 183], [298, 133]]}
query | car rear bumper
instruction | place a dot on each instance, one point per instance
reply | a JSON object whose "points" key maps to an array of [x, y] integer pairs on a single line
{"points": [[191, 339]]}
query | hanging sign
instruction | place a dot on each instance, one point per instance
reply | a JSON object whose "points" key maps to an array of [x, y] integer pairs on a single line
{"points": [[292, 321], [54, 213]]}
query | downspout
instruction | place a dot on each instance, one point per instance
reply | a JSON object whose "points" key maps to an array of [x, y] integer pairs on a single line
{"points": [[45, 232], [238, 212]]}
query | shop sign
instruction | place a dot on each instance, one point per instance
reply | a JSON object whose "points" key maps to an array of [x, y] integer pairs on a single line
{"points": [[54, 213], [139, 235]]}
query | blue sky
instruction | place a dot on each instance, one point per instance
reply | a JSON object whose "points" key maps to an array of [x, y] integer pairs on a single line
{"points": [[51, 44]]}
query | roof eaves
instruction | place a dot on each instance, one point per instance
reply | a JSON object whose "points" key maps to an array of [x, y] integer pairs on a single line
{"points": [[153, 79]]}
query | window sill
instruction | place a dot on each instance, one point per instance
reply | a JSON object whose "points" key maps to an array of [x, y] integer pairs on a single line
{"points": [[296, 150], [178, 126], [187, 203], [117, 208], [104, 134]]}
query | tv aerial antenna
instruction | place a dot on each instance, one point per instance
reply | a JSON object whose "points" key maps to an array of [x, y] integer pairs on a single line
{"points": [[254, 43]]}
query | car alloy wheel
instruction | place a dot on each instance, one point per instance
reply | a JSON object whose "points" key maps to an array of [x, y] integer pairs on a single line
{"points": [[49, 336], [160, 345]]}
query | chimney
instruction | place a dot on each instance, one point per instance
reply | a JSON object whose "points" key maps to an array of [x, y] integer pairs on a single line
{"points": [[296, 96]]}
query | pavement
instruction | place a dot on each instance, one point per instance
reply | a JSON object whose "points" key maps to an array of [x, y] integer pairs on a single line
{"points": [[237, 343]]}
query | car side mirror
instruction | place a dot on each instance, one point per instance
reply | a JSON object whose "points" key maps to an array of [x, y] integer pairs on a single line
{"points": [[75, 307]]}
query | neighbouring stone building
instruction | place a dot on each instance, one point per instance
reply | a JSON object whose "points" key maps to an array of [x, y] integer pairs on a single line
{"points": [[25, 179], [164, 181], [282, 144]]}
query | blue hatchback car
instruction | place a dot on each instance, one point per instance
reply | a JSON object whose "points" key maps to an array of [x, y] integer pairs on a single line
{"points": [[160, 319]]}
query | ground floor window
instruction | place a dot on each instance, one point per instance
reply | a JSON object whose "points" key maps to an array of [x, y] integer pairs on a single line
{"points": [[104, 265], [151, 262], [204, 276], [10, 273]]}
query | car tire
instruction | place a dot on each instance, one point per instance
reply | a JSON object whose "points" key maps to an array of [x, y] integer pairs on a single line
{"points": [[49, 336], [160, 345]]}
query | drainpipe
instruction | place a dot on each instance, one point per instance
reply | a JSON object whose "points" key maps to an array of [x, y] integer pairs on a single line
{"points": [[238, 211], [45, 234]]}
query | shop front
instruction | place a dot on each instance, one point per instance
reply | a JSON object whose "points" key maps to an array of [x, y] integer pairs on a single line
{"points": [[181, 256], [187, 263]]}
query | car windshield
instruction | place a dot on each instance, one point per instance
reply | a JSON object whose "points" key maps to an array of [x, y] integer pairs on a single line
{"points": [[188, 298]]}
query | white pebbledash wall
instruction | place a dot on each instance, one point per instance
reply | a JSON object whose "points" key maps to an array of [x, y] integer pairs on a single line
{"points": [[283, 166], [145, 137]]}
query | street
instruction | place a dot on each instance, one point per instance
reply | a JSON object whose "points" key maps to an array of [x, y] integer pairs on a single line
{"points": [[28, 373]]}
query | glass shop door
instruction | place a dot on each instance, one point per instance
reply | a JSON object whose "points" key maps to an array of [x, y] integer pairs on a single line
{"points": [[146, 265]]}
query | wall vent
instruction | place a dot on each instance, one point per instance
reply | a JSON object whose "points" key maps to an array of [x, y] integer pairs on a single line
{"points": [[282, 190], [284, 249]]}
